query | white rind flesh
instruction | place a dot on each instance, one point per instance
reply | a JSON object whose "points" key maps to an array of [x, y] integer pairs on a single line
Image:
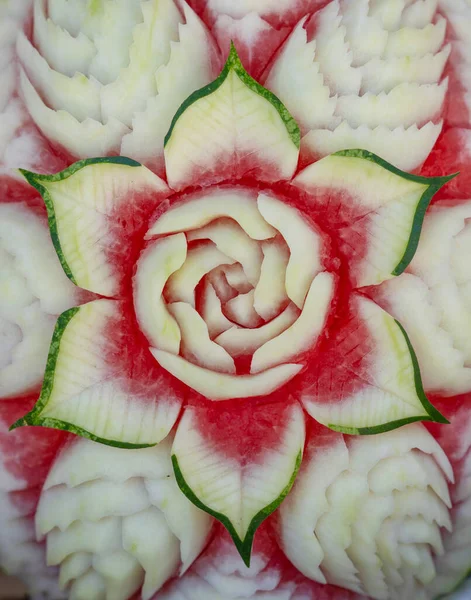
{"points": [[109, 518]]}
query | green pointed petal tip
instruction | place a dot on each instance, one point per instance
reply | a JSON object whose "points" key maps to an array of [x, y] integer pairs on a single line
{"points": [[432, 415], [233, 63], [37, 180], [244, 546], [434, 185], [34, 418]]}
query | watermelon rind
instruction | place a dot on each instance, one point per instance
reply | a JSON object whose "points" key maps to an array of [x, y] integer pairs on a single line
{"points": [[35, 180], [137, 419], [63, 194], [434, 415], [382, 189], [233, 63], [244, 546], [434, 185]]}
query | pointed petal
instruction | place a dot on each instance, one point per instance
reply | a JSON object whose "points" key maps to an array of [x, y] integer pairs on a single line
{"points": [[101, 384], [377, 210], [231, 128], [95, 209], [368, 380], [239, 467]]}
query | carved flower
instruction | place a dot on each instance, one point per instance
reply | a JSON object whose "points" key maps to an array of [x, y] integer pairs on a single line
{"points": [[231, 300]]}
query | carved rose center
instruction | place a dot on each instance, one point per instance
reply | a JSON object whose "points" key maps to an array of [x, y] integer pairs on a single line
{"points": [[230, 292]]}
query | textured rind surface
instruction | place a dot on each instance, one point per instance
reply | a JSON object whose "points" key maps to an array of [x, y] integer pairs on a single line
{"points": [[340, 68], [91, 205], [369, 512], [118, 517], [28, 310], [239, 481]]}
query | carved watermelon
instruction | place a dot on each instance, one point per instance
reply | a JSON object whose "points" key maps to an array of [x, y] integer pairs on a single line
{"points": [[235, 358]]}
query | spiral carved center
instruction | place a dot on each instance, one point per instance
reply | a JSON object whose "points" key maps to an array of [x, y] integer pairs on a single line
{"points": [[231, 291]]}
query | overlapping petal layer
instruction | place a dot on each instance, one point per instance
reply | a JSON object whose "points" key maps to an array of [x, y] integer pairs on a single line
{"points": [[372, 521], [433, 299], [115, 521], [268, 272], [28, 310], [107, 78], [366, 74]]}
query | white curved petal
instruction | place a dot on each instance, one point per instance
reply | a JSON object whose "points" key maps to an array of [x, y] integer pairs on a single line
{"points": [[146, 536], [212, 313], [239, 205], [157, 263], [197, 346], [296, 79], [62, 506], [88, 587], [419, 13], [333, 52], [239, 341], [121, 573], [366, 34], [304, 332], [73, 567], [218, 386], [382, 75], [199, 261], [150, 50], [406, 104], [412, 42], [270, 291], [166, 496], [82, 536], [78, 95], [236, 277], [241, 310], [66, 53], [234, 242], [113, 38], [304, 244]]}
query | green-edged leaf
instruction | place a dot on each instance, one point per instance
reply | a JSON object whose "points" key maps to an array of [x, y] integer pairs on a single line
{"points": [[231, 128], [376, 209], [96, 207], [368, 380], [100, 384], [239, 465]]}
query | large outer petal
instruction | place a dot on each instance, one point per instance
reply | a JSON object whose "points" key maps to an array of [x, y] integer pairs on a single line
{"points": [[230, 129], [96, 208], [366, 378], [239, 464], [375, 209], [101, 381]]}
